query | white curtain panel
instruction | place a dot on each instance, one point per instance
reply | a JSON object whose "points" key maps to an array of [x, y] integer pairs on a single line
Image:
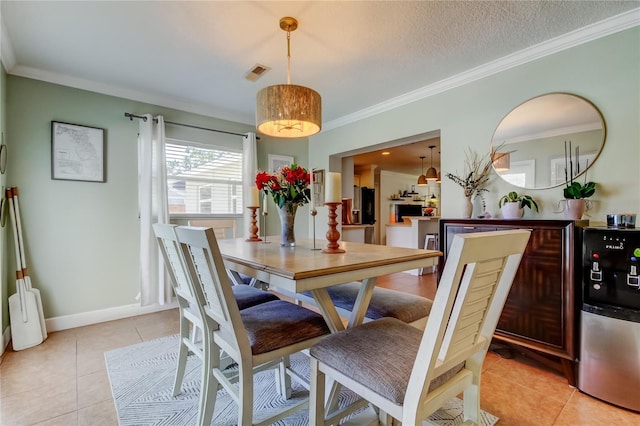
{"points": [[155, 287], [249, 169]]}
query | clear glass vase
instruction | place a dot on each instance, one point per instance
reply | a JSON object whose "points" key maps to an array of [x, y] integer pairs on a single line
{"points": [[287, 220]]}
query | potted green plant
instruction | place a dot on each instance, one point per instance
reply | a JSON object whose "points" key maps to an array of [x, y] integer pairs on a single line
{"points": [[512, 205], [574, 192], [576, 195]]}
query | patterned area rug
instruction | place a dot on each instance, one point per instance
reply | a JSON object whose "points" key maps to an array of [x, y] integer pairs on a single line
{"points": [[142, 377]]}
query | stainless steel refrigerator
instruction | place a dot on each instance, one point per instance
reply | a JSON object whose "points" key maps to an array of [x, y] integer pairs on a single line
{"points": [[368, 205]]}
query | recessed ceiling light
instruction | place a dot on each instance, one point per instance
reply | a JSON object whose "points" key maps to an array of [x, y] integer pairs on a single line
{"points": [[386, 153]]}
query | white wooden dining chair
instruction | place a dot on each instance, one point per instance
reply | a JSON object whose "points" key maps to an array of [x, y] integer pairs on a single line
{"points": [[410, 374], [225, 229], [191, 324], [256, 338]]}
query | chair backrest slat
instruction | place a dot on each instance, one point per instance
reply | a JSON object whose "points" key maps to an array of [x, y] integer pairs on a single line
{"points": [[473, 288], [206, 268], [210, 289], [475, 300], [174, 262]]}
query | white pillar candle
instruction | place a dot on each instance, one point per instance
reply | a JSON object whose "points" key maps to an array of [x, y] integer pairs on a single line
{"points": [[264, 203], [333, 188], [254, 197], [313, 198]]}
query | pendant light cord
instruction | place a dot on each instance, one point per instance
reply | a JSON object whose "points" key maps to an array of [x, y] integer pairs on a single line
{"points": [[288, 55]]}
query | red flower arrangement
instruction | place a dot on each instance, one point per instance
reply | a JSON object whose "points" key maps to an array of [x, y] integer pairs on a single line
{"points": [[289, 185]]}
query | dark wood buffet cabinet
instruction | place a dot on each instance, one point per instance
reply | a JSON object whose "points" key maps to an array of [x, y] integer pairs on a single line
{"points": [[541, 313]]}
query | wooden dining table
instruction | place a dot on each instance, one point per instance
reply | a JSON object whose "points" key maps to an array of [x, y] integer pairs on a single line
{"points": [[306, 268]]}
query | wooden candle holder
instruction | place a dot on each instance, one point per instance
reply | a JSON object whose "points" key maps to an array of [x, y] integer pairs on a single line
{"points": [[332, 234], [253, 229]]}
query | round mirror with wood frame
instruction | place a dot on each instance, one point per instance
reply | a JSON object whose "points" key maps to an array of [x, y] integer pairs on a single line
{"points": [[541, 141]]}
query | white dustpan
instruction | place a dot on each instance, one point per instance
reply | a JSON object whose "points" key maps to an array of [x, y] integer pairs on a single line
{"points": [[23, 261], [23, 309]]}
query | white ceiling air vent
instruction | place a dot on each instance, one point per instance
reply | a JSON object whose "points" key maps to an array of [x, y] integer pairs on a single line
{"points": [[256, 72]]}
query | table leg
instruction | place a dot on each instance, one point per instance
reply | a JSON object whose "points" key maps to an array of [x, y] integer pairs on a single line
{"points": [[362, 302], [327, 309]]}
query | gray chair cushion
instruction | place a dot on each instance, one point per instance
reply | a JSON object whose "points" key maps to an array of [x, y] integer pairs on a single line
{"points": [[277, 324], [246, 279], [379, 355], [247, 296], [384, 302]]}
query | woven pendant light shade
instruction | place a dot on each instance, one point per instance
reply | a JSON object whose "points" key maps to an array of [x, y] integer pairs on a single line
{"points": [[288, 111]]}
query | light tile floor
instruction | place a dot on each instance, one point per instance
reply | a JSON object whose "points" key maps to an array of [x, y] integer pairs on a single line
{"points": [[63, 381]]}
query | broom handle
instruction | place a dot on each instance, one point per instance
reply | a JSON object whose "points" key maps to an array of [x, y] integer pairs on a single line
{"points": [[23, 259], [19, 278]]}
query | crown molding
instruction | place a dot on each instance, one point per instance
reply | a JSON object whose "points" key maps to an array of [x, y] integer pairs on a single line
{"points": [[574, 38], [7, 57], [129, 94]]}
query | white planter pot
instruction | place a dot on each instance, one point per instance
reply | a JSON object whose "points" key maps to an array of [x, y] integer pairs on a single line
{"points": [[512, 211], [575, 208]]}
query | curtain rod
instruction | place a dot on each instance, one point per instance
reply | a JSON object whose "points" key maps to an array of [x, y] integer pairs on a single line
{"points": [[132, 116]]}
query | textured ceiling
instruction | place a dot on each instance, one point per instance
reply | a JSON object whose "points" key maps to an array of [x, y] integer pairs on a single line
{"points": [[194, 55]]}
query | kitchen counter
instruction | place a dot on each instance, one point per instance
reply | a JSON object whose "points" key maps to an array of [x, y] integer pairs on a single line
{"points": [[358, 233], [410, 219], [411, 232]]}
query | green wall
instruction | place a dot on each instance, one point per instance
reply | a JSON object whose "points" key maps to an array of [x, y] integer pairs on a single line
{"points": [[605, 71], [81, 238], [4, 308]]}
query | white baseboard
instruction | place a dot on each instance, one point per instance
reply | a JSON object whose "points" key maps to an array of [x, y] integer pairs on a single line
{"points": [[94, 317]]}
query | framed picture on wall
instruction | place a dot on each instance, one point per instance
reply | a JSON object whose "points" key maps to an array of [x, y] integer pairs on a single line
{"points": [[277, 161], [77, 152], [318, 187]]}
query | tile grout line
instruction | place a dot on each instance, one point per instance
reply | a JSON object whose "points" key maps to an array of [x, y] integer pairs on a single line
{"points": [[77, 377], [564, 406]]}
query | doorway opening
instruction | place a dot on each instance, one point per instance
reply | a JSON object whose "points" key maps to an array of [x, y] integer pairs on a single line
{"points": [[392, 169]]}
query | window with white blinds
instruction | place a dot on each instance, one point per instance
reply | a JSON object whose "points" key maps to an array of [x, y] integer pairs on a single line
{"points": [[203, 180]]}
